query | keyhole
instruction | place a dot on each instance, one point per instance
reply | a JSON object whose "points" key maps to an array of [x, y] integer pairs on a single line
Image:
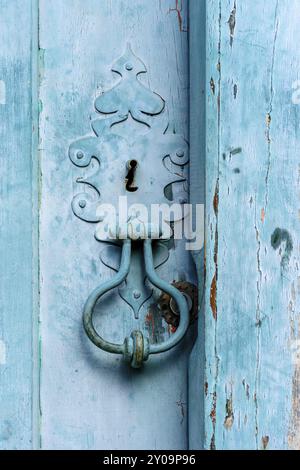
{"points": [[129, 180]]}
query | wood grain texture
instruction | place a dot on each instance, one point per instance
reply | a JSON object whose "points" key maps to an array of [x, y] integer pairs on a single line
{"points": [[252, 292], [197, 102], [90, 400], [18, 198]]}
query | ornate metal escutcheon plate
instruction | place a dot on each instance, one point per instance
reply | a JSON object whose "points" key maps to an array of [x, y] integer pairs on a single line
{"points": [[132, 161]]}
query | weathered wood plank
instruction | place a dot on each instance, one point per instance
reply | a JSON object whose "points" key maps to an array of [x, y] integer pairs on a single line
{"points": [[252, 306], [18, 196], [197, 54], [89, 399]]}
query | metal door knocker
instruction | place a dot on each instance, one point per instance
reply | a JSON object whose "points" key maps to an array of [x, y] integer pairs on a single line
{"points": [[142, 166]]}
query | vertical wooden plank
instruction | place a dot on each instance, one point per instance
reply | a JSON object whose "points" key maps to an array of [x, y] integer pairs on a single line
{"points": [[17, 33], [252, 306], [90, 400], [197, 54]]}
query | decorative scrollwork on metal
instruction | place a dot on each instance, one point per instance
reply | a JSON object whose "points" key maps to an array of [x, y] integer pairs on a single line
{"points": [[161, 156], [144, 166]]}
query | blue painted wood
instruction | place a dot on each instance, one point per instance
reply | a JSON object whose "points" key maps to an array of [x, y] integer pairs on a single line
{"points": [[89, 399], [252, 339], [197, 102], [18, 199], [252, 226]]}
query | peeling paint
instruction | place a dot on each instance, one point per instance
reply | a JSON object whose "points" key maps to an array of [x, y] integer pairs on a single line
{"points": [[232, 24], [252, 341], [154, 324], [216, 199], [247, 389], [2, 353], [213, 292], [213, 297], [213, 411], [258, 325], [213, 443], [213, 415], [229, 420], [294, 428], [269, 114], [265, 442], [214, 284], [178, 9], [235, 151], [2, 92], [212, 86], [235, 91], [279, 237]]}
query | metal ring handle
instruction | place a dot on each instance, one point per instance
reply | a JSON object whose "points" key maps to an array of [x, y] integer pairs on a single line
{"points": [[95, 296], [136, 347]]}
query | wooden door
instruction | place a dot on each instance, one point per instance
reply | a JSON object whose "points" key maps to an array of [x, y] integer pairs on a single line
{"points": [[59, 390], [252, 225], [228, 74]]}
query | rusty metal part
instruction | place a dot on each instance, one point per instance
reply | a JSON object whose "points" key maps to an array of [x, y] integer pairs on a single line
{"points": [[169, 309]]}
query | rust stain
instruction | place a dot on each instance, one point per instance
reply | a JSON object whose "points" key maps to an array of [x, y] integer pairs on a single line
{"points": [[153, 324], [178, 10], [262, 215], [265, 442], [214, 284], [149, 320], [216, 199], [213, 419], [214, 409], [170, 311], [213, 297]]}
